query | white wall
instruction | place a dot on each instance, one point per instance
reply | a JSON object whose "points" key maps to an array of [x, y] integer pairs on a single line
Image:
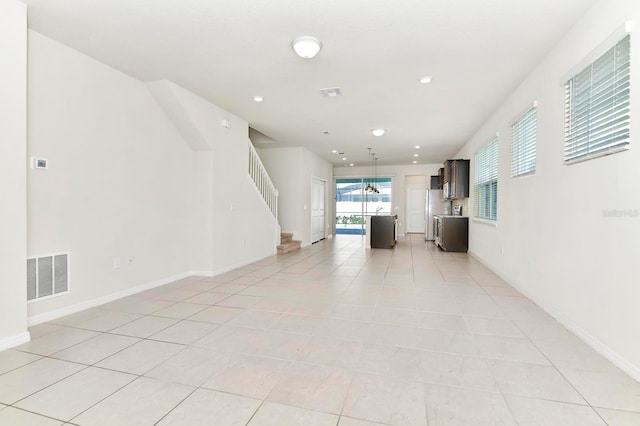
{"points": [[13, 180], [119, 179], [559, 247], [242, 229], [124, 181], [291, 170], [399, 175]]}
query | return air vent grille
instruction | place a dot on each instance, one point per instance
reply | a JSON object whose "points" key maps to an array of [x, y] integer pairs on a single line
{"points": [[47, 276]]}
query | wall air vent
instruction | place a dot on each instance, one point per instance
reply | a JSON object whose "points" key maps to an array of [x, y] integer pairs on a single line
{"points": [[47, 276], [331, 92]]}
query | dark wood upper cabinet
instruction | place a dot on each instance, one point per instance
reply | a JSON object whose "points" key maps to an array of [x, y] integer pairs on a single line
{"points": [[456, 179]]}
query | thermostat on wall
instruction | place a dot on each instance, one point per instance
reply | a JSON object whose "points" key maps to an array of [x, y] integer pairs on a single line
{"points": [[38, 163]]}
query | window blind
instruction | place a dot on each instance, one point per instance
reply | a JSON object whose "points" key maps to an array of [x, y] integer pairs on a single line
{"points": [[523, 144], [597, 106], [486, 182]]}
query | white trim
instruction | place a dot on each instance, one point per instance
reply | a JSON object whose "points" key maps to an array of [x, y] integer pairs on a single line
{"points": [[361, 176], [585, 336], [617, 35], [15, 340], [596, 155], [58, 313], [207, 274], [239, 264], [488, 222], [325, 216]]}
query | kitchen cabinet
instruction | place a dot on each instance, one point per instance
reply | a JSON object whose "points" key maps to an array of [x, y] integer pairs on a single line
{"points": [[452, 233], [383, 231], [435, 182], [456, 179]]}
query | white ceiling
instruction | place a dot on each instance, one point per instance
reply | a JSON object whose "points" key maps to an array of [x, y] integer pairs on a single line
{"points": [[375, 50]]}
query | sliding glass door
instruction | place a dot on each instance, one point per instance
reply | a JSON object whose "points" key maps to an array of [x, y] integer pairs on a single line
{"points": [[354, 202]]}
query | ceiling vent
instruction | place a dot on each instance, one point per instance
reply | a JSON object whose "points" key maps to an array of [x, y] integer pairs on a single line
{"points": [[331, 92]]}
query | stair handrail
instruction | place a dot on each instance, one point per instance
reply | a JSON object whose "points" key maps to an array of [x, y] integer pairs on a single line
{"points": [[263, 182]]}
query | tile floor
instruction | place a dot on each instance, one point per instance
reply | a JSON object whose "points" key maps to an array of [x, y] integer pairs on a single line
{"points": [[330, 335]]}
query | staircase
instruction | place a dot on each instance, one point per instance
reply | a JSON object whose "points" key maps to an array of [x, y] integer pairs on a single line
{"points": [[287, 243]]}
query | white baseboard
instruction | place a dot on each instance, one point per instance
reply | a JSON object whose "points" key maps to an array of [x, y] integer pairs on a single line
{"points": [[12, 341], [594, 343], [597, 345], [58, 313], [238, 265], [202, 273]]}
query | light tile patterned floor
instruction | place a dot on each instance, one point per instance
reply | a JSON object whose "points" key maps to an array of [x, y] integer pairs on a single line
{"points": [[333, 334]]}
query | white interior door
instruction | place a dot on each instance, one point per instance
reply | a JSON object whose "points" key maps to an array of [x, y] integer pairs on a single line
{"points": [[318, 197], [415, 208]]}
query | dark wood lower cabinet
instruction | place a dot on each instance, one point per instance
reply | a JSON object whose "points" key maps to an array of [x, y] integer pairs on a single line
{"points": [[383, 231], [453, 233]]}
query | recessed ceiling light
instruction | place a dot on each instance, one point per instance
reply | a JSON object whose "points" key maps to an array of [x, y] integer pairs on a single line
{"points": [[258, 98], [344, 158], [417, 146], [378, 132], [416, 155], [352, 164], [415, 162], [425, 80], [334, 152], [306, 46]]}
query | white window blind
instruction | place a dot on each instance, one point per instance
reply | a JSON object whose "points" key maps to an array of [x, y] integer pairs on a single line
{"points": [[597, 106], [523, 144], [486, 182]]}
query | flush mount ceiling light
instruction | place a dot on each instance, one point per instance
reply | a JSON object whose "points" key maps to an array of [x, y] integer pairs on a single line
{"points": [[306, 46], [378, 132], [425, 80], [258, 98]]}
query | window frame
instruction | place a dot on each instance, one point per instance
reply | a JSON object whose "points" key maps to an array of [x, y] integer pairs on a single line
{"points": [[485, 183], [524, 141], [578, 143]]}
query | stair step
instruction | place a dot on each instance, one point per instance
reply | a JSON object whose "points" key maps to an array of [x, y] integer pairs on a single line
{"points": [[289, 246], [286, 237]]}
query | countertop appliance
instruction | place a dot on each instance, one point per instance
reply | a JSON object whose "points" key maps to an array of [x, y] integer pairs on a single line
{"points": [[434, 205]]}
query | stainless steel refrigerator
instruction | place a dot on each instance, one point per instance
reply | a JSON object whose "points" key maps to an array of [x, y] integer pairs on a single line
{"points": [[435, 204]]}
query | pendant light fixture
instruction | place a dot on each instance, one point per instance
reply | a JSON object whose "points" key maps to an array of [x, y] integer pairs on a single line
{"points": [[375, 174], [372, 186], [369, 187]]}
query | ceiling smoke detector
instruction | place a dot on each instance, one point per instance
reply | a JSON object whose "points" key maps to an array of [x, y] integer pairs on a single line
{"points": [[306, 46], [331, 92]]}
